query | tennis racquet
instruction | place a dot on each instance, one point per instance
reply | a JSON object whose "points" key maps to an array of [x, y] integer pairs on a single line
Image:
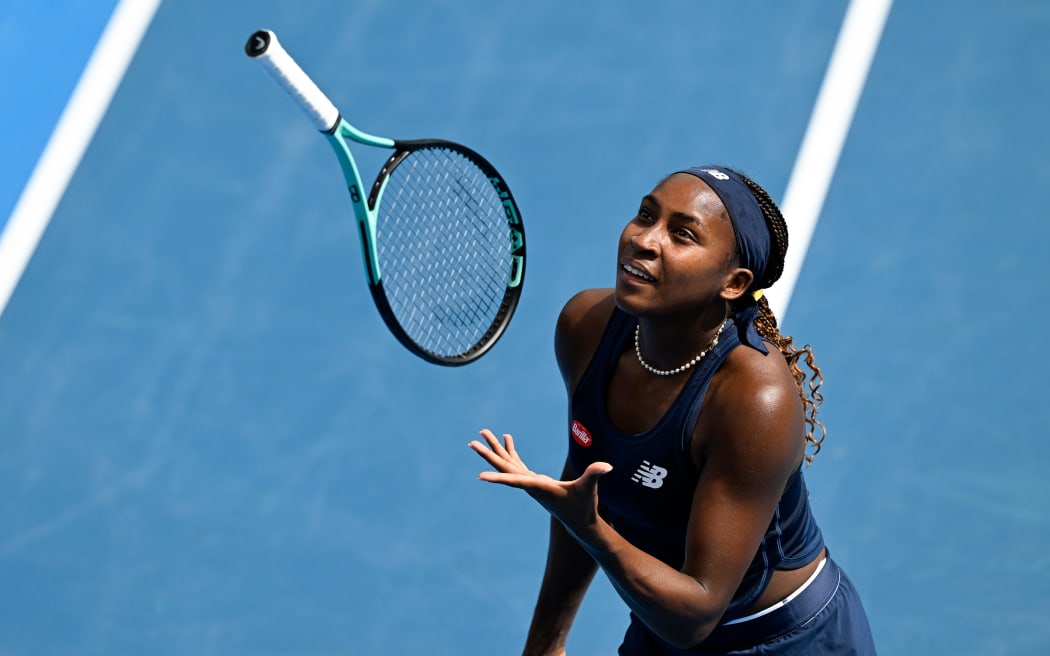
{"points": [[442, 237]]}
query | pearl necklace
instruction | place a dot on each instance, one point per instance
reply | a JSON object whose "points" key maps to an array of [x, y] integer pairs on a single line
{"points": [[670, 372]]}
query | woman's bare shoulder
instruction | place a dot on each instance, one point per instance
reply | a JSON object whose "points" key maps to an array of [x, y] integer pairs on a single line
{"points": [[580, 326], [754, 397]]}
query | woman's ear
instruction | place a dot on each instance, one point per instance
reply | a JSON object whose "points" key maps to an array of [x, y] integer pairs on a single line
{"points": [[736, 283]]}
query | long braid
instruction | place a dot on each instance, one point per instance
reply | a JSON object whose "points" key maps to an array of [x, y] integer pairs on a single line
{"points": [[766, 323], [809, 390]]}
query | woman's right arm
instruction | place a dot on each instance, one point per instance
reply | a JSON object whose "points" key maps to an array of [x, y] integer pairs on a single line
{"points": [[568, 574], [570, 569]]}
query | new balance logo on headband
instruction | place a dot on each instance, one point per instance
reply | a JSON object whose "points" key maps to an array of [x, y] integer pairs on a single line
{"points": [[650, 475], [716, 174]]}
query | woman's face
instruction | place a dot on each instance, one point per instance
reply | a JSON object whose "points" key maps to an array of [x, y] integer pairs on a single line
{"points": [[678, 254]]}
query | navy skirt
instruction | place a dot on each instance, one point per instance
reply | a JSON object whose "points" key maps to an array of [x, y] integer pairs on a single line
{"points": [[826, 618]]}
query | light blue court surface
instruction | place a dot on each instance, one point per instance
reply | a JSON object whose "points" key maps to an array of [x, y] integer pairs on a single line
{"points": [[46, 45], [209, 444]]}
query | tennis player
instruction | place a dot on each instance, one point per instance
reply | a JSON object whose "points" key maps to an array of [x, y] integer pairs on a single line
{"points": [[690, 419]]}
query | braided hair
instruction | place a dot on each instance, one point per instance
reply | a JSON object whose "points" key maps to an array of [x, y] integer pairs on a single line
{"points": [[766, 323]]}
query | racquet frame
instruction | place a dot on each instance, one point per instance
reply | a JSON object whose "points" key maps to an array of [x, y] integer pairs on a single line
{"points": [[264, 47]]}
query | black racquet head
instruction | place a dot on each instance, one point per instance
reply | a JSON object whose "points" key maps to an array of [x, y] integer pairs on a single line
{"points": [[450, 246]]}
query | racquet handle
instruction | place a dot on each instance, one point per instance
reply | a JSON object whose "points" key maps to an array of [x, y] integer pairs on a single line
{"points": [[264, 48]]}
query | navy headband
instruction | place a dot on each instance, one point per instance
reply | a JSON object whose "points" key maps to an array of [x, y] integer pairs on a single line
{"points": [[752, 239]]}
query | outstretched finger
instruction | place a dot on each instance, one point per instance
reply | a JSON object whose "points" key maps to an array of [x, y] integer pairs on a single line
{"points": [[497, 461], [523, 481], [508, 441], [594, 471], [494, 443]]}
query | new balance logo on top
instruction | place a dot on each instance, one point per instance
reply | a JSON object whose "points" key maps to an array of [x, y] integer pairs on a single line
{"points": [[650, 475]]}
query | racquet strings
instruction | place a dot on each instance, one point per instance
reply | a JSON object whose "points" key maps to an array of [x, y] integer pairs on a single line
{"points": [[444, 250]]}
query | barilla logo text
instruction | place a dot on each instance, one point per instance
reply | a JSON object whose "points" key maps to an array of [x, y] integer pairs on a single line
{"points": [[581, 434]]}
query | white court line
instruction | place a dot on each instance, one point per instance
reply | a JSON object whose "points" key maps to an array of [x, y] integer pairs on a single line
{"points": [[828, 126], [73, 132]]}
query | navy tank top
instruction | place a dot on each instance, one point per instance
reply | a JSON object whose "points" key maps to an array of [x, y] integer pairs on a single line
{"points": [[648, 495]]}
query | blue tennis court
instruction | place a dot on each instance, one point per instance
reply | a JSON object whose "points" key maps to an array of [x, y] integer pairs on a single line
{"points": [[210, 444]]}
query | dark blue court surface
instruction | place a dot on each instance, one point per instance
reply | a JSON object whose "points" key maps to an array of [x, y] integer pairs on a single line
{"points": [[210, 444]]}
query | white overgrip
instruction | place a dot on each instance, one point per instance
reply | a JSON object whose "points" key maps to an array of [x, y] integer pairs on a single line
{"points": [[264, 47]]}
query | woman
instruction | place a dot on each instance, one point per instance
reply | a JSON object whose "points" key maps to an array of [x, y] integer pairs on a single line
{"points": [[687, 434]]}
